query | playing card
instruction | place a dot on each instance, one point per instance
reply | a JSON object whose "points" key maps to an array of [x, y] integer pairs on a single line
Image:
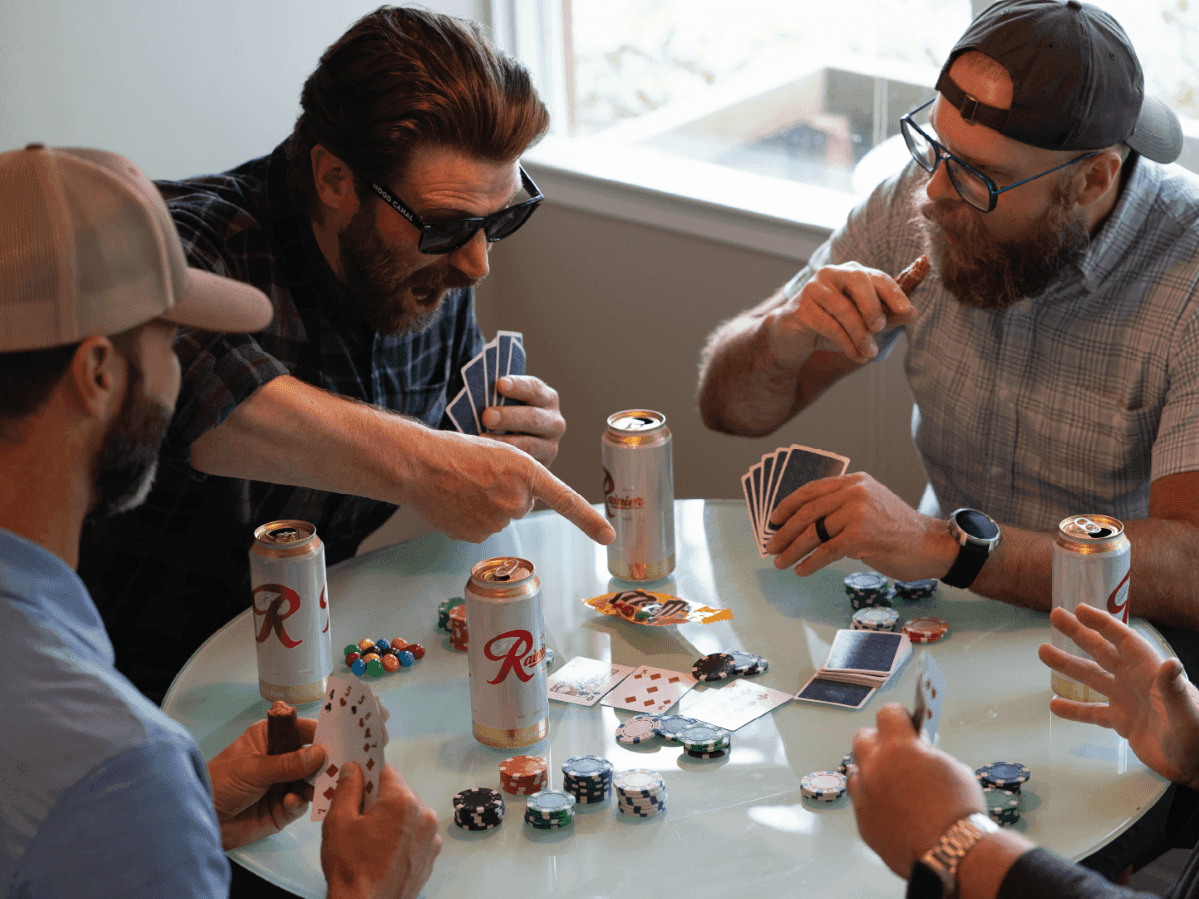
{"points": [[516, 366], [462, 413], [474, 373], [491, 354], [800, 465], [930, 694], [583, 681], [650, 690], [872, 654], [737, 704], [351, 727], [831, 692]]}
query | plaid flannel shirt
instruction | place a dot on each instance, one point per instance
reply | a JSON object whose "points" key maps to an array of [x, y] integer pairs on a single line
{"points": [[1069, 402], [166, 575]]}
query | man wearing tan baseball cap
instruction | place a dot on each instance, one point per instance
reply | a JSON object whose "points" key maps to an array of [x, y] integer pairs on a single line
{"points": [[100, 793]]}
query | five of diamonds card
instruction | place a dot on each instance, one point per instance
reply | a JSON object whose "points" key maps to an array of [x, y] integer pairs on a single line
{"points": [[780, 474]]}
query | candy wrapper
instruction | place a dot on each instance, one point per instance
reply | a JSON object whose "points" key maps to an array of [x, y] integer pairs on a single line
{"points": [[655, 609]]}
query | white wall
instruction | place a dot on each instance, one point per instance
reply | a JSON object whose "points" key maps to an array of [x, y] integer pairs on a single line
{"points": [[181, 87]]}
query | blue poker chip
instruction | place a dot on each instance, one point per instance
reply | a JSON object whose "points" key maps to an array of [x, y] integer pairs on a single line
{"points": [[550, 804], [865, 581], [914, 590], [875, 618], [638, 730], [587, 767], [1008, 776], [748, 663], [672, 725]]}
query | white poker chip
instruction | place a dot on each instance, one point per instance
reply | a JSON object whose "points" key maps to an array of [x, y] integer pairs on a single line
{"points": [[824, 786]]}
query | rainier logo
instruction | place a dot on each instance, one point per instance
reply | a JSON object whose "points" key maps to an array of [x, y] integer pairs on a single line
{"points": [[1117, 602], [273, 616], [612, 501], [516, 658]]}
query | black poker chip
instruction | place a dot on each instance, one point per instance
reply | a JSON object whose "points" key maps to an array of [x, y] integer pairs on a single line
{"points": [[713, 667], [478, 799]]}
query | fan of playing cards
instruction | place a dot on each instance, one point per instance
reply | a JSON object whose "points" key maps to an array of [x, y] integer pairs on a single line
{"points": [[655, 609], [505, 355], [780, 474]]}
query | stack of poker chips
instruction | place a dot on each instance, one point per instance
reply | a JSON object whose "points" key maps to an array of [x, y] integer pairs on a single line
{"points": [[846, 761], [714, 667], [588, 778], [703, 741], [747, 663], [867, 589], [459, 638], [670, 726], [925, 630], [550, 810], [823, 786], [641, 793], [639, 729], [913, 591], [875, 618], [479, 808], [379, 657], [443, 612], [1001, 782], [524, 775]]}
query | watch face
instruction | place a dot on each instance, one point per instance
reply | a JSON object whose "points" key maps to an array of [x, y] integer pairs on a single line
{"points": [[976, 524]]}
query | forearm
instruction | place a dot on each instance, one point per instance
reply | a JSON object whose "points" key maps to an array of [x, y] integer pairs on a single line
{"points": [[1161, 585], [289, 432]]}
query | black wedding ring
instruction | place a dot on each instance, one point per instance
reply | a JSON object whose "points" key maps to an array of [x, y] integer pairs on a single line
{"points": [[820, 531]]}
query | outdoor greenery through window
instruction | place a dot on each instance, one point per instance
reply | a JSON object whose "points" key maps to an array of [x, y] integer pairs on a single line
{"points": [[800, 89]]}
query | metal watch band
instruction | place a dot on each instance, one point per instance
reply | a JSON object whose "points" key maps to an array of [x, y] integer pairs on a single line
{"points": [[943, 859]]}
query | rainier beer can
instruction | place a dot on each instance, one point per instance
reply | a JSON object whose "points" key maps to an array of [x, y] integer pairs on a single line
{"points": [[509, 702], [291, 612], [639, 495], [1091, 559]]}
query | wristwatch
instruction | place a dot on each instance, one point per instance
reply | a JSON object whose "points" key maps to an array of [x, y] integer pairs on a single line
{"points": [[935, 874], [977, 534]]}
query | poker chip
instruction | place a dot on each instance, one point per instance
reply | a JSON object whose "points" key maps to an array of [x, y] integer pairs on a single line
{"points": [[443, 612], [523, 775], [1008, 776], [748, 663], [846, 761], [638, 730], [550, 807], [459, 636], [638, 782], [875, 618], [925, 630], [671, 725], [912, 591], [715, 754], [714, 667], [587, 768], [1002, 806], [478, 799], [823, 786], [549, 657], [704, 738]]}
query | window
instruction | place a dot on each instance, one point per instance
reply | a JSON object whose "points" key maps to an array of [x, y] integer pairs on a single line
{"points": [[778, 92]]}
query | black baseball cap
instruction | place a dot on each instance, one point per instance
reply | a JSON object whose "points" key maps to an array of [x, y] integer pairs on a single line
{"points": [[1076, 80]]}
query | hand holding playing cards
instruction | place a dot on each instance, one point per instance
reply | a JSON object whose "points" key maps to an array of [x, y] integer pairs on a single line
{"points": [[905, 791], [846, 305], [242, 774], [535, 427], [384, 853], [865, 521], [1150, 701]]}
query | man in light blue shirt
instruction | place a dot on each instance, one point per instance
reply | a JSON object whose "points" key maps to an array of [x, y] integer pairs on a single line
{"points": [[100, 793]]}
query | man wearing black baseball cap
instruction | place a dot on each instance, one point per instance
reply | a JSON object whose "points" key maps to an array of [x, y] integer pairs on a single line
{"points": [[1053, 350]]}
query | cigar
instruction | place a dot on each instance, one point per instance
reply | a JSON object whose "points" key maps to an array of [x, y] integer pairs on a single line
{"points": [[909, 279]]}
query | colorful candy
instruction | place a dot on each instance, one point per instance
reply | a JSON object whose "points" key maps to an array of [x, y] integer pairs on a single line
{"points": [[379, 657]]}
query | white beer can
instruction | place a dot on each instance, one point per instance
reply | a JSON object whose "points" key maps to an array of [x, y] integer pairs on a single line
{"points": [[1091, 559], [509, 702], [291, 612], [639, 495]]}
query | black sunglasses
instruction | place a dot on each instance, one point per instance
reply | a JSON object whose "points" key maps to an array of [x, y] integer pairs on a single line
{"points": [[972, 185], [445, 237]]}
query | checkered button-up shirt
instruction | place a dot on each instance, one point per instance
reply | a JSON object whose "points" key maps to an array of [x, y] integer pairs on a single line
{"points": [[1070, 402], [167, 574]]}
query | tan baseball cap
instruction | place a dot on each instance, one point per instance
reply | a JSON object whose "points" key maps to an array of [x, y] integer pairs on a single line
{"points": [[87, 248]]}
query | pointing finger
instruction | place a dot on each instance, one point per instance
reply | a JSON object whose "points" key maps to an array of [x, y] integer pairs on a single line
{"points": [[571, 506]]}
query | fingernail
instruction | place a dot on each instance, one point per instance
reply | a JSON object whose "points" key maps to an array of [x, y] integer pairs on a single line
{"points": [[878, 323], [871, 350], [491, 417], [504, 383], [311, 755]]}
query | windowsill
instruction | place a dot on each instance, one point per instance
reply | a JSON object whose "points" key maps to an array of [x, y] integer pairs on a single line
{"points": [[686, 196]]}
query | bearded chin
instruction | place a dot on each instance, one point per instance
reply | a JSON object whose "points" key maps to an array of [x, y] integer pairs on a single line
{"points": [[982, 273]]}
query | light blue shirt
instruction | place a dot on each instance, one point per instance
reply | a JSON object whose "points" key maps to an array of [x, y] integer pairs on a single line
{"points": [[1069, 402], [101, 794]]}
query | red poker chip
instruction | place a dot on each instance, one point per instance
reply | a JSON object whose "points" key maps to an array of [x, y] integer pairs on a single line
{"points": [[926, 630]]}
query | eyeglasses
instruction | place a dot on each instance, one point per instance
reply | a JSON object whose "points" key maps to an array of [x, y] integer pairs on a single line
{"points": [[972, 185], [445, 237]]}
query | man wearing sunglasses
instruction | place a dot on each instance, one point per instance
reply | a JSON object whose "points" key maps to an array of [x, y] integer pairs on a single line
{"points": [[1053, 351], [367, 228]]}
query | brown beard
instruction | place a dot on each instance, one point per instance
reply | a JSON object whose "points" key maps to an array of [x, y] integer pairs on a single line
{"points": [[983, 273], [127, 461], [378, 281]]}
